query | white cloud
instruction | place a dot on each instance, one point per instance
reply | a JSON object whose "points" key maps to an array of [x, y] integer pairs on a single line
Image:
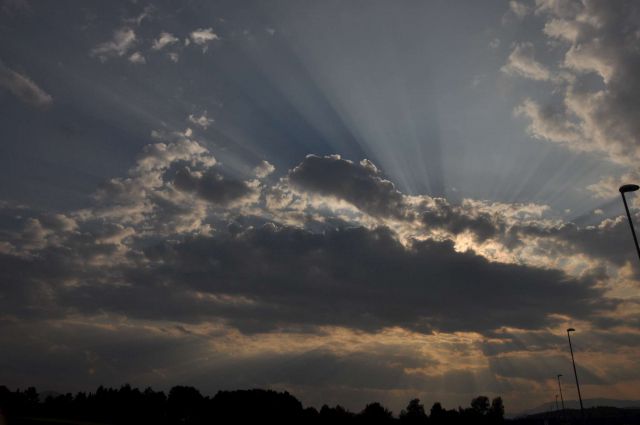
{"points": [[607, 187], [597, 39], [263, 169], [202, 37], [549, 123], [519, 9], [522, 62], [123, 40], [23, 88], [202, 121], [137, 58], [163, 40]]}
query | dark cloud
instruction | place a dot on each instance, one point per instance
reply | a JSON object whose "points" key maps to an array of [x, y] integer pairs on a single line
{"points": [[211, 186], [81, 355], [540, 368], [285, 277], [610, 240], [360, 184], [482, 224], [535, 341]]}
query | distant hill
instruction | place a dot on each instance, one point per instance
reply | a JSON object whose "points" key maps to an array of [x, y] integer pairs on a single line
{"points": [[592, 415], [575, 404]]}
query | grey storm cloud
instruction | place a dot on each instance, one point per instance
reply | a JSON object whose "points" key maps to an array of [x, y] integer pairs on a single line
{"points": [[260, 278], [450, 217], [197, 258], [268, 278], [211, 186], [604, 241], [361, 184]]}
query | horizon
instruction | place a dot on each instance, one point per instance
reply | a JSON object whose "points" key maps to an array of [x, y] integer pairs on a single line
{"points": [[350, 203], [47, 396]]}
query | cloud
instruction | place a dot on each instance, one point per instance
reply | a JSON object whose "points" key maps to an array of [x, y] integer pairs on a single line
{"points": [[203, 36], [173, 56], [179, 247], [519, 9], [163, 40], [521, 62], [23, 88], [145, 14], [551, 122], [597, 40], [123, 40], [211, 186], [607, 187], [360, 184], [137, 58], [357, 278], [537, 367], [263, 169], [202, 121]]}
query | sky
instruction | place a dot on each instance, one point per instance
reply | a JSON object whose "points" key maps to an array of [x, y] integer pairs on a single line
{"points": [[353, 201]]}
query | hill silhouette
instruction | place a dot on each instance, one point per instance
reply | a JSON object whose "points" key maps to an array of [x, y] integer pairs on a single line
{"points": [[186, 405], [574, 404], [602, 415]]}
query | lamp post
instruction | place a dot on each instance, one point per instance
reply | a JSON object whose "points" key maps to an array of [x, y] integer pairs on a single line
{"points": [[624, 189], [560, 389], [574, 370]]}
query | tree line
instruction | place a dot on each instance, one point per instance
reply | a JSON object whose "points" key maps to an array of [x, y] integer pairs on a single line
{"points": [[186, 405]]}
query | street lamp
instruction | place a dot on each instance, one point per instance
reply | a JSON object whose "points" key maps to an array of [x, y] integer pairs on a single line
{"points": [[624, 189], [560, 388], [574, 369]]}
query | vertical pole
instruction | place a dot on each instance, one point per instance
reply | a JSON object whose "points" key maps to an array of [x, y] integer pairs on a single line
{"points": [[633, 231], [560, 388], [575, 372]]}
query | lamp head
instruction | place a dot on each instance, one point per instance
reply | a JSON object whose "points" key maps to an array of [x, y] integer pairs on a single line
{"points": [[628, 188], [559, 375], [570, 330]]}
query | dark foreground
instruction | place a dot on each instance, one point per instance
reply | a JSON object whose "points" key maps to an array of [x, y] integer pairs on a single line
{"points": [[185, 405], [592, 416]]}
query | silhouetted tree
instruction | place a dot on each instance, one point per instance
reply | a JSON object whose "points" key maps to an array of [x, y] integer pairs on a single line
{"points": [[184, 405], [437, 414], [257, 405], [414, 413], [375, 413], [335, 415], [496, 411], [480, 405]]}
